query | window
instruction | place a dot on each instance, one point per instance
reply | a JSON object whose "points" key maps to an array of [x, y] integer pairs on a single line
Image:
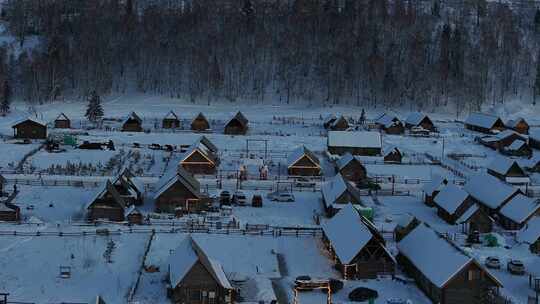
{"points": [[195, 295], [474, 275], [212, 297]]}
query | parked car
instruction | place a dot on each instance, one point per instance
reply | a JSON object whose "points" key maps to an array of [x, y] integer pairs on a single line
{"points": [[239, 198], [225, 197], [257, 201], [279, 196], [516, 267], [493, 262], [303, 182]]}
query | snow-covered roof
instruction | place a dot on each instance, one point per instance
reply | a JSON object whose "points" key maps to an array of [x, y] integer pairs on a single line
{"points": [[392, 149], [177, 174], [201, 148], [512, 123], [240, 118], [482, 120], [5, 208], [435, 257], [300, 152], [31, 119], [403, 220], [106, 187], [335, 187], [508, 133], [489, 190], [343, 161], [387, 120], [329, 119], [213, 266], [347, 233], [208, 144], [467, 214], [181, 261], [358, 139], [450, 198], [171, 116], [436, 184], [531, 232], [520, 208], [516, 145], [415, 118], [501, 164], [132, 116], [338, 120], [62, 116]]}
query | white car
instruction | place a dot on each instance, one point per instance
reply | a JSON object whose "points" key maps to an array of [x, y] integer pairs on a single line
{"points": [[239, 198], [282, 197]]}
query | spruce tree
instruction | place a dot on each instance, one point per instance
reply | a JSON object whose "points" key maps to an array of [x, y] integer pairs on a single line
{"points": [[94, 111], [6, 98], [537, 21], [536, 92]]}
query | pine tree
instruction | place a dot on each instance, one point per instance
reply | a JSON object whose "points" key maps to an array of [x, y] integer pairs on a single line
{"points": [[94, 111], [363, 117], [537, 21], [436, 9], [6, 98], [536, 92]]}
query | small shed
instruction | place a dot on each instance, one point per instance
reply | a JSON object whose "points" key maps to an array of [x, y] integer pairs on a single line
{"points": [[179, 190], [507, 170], [419, 120], [30, 128], [62, 122], [452, 202], [367, 143], [334, 123], [133, 123], [519, 125], [433, 188], [530, 234], [201, 157], [106, 204], [238, 125], [337, 192], [9, 211], [195, 278], [393, 156], [390, 124], [357, 246], [405, 223], [489, 192], [475, 219], [200, 123], [351, 168], [515, 214], [484, 123], [171, 121], [302, 162], [444, 272]]}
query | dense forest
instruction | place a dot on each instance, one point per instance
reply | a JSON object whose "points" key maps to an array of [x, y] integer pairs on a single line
{"points": [[421, 53]]}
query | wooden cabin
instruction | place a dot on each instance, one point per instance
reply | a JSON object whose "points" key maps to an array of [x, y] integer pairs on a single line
{"points": [[364, 143], [30, 129], [518, 148], [171, 121], [178, 191], [452, 202], [433, 188], [62, 122], [390, 124], [351, 168], [200, 123], [134, 215], [337, 192], [9, 211], [129, 189], [337, 123], [133, 123], [393, 155], [501, 140], [405, 223], [507, 170], [445, 273], [484, 123], [519, 125], [201, 158], [238, 125], [107, 204], [490, 193], [194, 278], [530, 234], [302, 162], [475, 219], [362, 255], [419, 120], [515, 214]]}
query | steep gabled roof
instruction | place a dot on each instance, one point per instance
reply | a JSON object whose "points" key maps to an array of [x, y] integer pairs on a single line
{"points": [[30, 119], [347, 233], [178, 175], [392, 150], [347, 158], [107, 187], [435, 257], [337, 186], [299, 153], [240, 118], [437, 184], [482, 120], [468, 214], [199, 116], [502, 165], [388, 120], [62, 116], [451, 198], [531, 232], [338, 120], [171, 116], [132, 116], [520, 208], [415, 118], [512, 123], [206, 142], [489, 190], [517, 145]]}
